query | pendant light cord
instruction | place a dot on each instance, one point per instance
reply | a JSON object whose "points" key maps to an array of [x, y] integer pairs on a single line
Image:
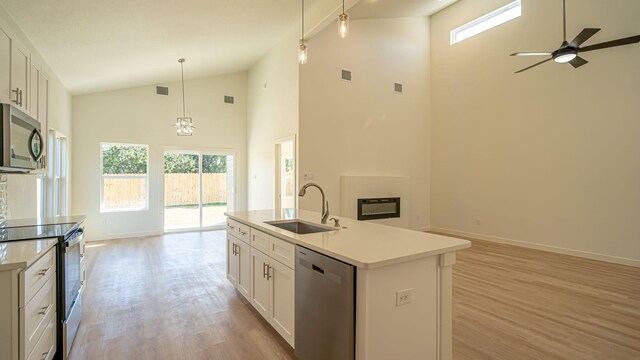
{"points": [[343, 6], [302, 20], [182, 72], [564, 20]]}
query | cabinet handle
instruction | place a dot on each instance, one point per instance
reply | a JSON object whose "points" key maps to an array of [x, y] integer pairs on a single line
{"points": [[264, 270], [81, 255], [17, 92], [46, 355], [231, 227], [43, 272], [269, 272], [20, 97], [243, 233], [234, 249], [45, 310]]}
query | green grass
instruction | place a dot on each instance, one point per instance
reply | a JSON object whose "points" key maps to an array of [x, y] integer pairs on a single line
{"points": [[196, 205]]}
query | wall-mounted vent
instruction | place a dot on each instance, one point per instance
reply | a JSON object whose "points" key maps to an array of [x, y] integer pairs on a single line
{"points": [[228, 99], [397, 88], [346, 75], [162, 90]]}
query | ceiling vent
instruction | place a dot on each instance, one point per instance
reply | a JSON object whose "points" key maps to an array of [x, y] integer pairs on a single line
{"points": [[162, 90], [397, 88], [346, 75], [228, 99]]}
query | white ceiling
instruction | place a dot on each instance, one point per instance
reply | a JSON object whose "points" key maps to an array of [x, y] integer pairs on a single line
{"points": [[97, 45]]}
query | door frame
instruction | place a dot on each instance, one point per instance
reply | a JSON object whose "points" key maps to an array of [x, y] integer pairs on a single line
{"points": [[277, 185], [237, 154]]}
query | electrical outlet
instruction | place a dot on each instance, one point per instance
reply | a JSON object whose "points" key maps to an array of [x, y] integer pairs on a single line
{"points": [[403, 297], [308, 176]]}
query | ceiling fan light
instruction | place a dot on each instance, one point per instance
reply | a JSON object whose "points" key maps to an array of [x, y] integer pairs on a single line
{"points": [[565, 58]]}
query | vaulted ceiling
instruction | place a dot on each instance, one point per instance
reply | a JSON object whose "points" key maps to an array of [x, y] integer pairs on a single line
{"points": [[96, 45]]}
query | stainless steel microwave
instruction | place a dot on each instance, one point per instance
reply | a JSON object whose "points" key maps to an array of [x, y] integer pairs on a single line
{"points": [[22, 142]]}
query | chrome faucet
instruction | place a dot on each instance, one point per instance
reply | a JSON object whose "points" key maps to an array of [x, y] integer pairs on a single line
{"points": [[325, 208]]}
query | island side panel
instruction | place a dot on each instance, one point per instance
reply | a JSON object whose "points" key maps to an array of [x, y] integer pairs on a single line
{"points": [[386, 331], [445, 305]]}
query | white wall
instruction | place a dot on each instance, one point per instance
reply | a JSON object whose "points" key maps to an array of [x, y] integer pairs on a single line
{"points": [[363, 127], [272, 113], [548, 158], [139, 116], [21, 189]]}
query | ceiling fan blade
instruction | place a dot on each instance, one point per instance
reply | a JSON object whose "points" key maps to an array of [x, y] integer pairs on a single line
{"points": [[534, 65], [578, 61], [531, 54], [584, 35], [612, 43]]}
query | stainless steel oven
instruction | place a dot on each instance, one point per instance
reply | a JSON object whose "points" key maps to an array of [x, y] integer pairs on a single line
{"points": [[22, 141], [69, 292]]}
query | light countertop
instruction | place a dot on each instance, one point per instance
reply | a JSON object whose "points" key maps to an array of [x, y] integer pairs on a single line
{"points": [[363, 244], [21, 254]]}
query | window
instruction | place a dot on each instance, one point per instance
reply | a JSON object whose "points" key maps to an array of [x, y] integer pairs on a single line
{"points": [[486, 22], [56, 193], [125, 177]]}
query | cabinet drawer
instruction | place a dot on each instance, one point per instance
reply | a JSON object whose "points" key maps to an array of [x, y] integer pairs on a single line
{"points": [[239, 230], [36, 275], [36, 315], [260, 240], [283, 251], [45, 349]]}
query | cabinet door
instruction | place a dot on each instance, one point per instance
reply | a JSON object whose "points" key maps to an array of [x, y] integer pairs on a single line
{"points": [[34, 91], [282, 296], [259, 283], [244, 268], [20, 75], [260, 240], [232, 261], [43, 112], [5, 67]]}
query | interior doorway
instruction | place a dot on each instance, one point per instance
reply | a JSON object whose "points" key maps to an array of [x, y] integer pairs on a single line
{"points": [[199, 187], [286, 170]]}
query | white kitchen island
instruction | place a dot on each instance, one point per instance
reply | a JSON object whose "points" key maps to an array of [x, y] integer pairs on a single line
{"points": [[388, 260]]}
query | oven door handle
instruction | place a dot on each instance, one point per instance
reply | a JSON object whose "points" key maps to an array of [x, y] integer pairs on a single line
{"points": [[77, 237]]}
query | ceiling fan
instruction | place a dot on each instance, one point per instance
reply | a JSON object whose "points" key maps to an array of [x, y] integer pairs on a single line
{"points": [[568, 51]]}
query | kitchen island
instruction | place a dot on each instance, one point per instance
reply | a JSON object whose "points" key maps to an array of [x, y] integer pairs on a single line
{"points": [[389, 262]]}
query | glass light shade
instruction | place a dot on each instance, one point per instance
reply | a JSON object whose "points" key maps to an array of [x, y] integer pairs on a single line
{"points": [[565, 58], [184, 126], [343, 25], [302, 53]]}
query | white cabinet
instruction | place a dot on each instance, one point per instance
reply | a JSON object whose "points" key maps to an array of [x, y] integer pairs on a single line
{"points": [[238, 265], [20, 69], [28, 310], [5, 66], [270, 284], [272, 293]]}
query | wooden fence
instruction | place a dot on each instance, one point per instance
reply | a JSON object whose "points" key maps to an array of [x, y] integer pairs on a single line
{"points": [[179, 189], [182, 189]]}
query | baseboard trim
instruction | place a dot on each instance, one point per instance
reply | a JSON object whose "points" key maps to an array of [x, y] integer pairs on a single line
{"points": [[422, 229], [553, 249], [123, 235]]}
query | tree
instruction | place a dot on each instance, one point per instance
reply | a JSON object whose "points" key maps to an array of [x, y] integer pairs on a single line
{"points": [[175, 163], [214, 164], [124, 159]]}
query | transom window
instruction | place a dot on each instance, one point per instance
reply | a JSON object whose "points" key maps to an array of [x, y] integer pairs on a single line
{"points": [[486, 22], [125, 177]]}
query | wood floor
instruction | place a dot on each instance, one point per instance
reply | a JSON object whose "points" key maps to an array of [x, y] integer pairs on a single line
{"points": [[168, 298]]}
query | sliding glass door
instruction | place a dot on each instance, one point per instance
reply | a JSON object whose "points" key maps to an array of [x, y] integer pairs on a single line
{"points": [[198, 188]]}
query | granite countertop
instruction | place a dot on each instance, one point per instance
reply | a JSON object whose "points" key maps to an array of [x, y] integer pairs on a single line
{"points": [[362, 244], [21, 254]]}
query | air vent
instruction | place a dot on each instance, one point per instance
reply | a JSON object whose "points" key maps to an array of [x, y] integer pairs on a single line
{"points": [[397, 88], [228, 99], [162, 90], [346, 75]]}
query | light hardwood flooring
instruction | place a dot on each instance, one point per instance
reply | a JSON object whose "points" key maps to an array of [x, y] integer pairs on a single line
{"points": [[167, 297], [516, 303]]}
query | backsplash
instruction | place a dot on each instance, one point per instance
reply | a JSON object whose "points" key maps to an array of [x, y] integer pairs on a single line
{"points": [[3, 199]]}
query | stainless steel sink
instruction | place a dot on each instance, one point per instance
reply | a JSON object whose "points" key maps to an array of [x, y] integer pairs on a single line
{"points": [[300, 227]]}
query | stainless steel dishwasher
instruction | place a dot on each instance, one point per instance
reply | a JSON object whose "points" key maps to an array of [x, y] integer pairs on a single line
{"points": [[325, 307]]}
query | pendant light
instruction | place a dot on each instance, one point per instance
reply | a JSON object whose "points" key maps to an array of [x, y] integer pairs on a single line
{"points": [[184, 125], [343, 23], [302, 47]]}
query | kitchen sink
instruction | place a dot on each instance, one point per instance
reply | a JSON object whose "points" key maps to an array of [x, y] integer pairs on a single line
{"points": [[300, 227]]}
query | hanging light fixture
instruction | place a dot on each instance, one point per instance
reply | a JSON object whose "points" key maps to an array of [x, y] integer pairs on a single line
{"points": [[184, 125], [343, 23], [302, 47]]}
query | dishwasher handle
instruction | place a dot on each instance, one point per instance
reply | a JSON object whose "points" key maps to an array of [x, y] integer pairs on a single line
{"points": [[320, 271]]}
